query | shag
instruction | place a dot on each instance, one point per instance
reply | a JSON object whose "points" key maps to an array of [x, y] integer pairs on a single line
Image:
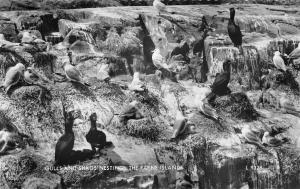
{"points": [[96, 138], [234, 31], [65, 143], [219, 87]]}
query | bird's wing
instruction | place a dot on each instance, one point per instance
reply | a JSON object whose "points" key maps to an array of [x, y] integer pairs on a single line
{"points": [[295, 53], [72, 73], [220, 80], [14, 79]]}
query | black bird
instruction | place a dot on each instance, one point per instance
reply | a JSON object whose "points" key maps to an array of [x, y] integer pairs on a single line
{"points": [[96, 138], [65, 143], [234, 31], [219, 87]]}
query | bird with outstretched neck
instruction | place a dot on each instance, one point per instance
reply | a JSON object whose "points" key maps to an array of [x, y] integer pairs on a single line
{"points": [[234, 30], [219, 86], [65, 143], [96, 138]]}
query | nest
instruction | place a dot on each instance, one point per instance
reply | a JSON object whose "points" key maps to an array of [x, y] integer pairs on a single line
{"points": [[126, 44], [236, 105], [143, 128]]}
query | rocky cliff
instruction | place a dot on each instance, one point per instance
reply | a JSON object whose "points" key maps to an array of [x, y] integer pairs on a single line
{"points": [[215, 155]]}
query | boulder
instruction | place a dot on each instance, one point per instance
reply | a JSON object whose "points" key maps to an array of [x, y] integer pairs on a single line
{"points": [[9, 29]]}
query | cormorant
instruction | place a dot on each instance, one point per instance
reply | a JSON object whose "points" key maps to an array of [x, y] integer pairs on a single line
{"points": [[234, 31], [96, 138], [219, 87]]}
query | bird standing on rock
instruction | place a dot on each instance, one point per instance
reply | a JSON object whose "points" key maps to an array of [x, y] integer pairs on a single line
{"points": [[136, 84], [234, 30], [65, 143], [278, 61], [96, 138], [271, 141], [219, 86], [159, 6], [73, 74], [13, 76]]}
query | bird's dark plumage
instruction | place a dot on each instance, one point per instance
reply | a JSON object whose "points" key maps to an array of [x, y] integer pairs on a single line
{"points": [[234, 31], [65, 143], [222, 79], [96, 138]]}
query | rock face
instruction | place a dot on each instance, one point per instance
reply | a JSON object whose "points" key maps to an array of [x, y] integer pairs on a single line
{"points": [[114, 43]]}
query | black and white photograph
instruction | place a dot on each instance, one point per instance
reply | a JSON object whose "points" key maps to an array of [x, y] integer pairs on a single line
{"points": [[150, 94]]}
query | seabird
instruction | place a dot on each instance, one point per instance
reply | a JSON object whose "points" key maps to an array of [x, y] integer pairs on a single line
{"points": [[8, 141], [269, 140], [13, 76], [159, 6], [65, 143], [130, 111], [28, 38], [73, 74], [208, 110], [158, 60], [219, 86], [278, 61], [295, 54], [234, 31], [104, 72], [96, 138], [32, 77], [136, 84]]}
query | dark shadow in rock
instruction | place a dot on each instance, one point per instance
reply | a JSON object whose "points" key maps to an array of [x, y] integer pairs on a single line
{"points": [[113, 157]]}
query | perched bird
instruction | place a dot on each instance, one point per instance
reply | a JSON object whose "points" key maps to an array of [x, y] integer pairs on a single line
{"points": [[219, 86], [234, 30], [180, 125], [13, 76], [130, 111], [158, 60], [295, 54], [269, 140], [208, 110], [159, 6], [104, 72], [136, 84], [32, 77], [96, 138], [73, 74], [65, 143], [8, 141], [278, 61], [28, 37]]}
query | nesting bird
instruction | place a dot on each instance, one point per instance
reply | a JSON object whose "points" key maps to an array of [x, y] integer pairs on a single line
{"points": [[136, 84], [158, 60], [13, 76], [130, 111], [234, 30], [73, 74], [278, 61], [31, 76], [8, 141], [270, 140], [220, 84], [104, 72], [159, 6], [96, 138], [208, 110], [65, 143]]}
